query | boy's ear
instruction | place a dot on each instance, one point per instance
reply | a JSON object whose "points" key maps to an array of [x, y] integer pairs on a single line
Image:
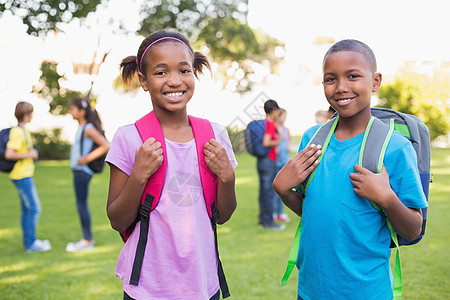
{"points": [[376, 82], [143, 81]]}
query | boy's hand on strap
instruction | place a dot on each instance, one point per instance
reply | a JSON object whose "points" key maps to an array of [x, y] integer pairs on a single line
{"points": [[373, 187], [218, 162], [297, 169], [148, 159]]}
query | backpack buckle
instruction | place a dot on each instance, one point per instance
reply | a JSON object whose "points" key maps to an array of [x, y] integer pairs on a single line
{"points": [[146, 207]]}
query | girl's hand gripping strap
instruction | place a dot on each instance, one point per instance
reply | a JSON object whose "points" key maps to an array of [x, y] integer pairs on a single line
{"points": [[148, 126]]}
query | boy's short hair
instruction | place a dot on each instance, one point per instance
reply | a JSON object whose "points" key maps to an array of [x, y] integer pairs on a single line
{"points": [[354, 46], [270, 105], [22, 109]]}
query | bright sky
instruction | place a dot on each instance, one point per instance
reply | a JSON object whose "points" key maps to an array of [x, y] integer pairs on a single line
{"points": [[397, 31]]}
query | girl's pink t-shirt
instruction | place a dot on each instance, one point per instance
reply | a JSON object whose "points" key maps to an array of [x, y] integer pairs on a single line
{"points": [[180, 258]]}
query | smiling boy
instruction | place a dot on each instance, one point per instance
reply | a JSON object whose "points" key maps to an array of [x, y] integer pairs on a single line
{"points": [[344, 243]]}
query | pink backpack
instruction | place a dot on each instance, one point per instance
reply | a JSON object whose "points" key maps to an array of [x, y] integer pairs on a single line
{"points": [[149, 126]]}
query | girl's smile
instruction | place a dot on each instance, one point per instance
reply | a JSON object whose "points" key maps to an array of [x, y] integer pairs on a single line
{"points": [[169, 76]]}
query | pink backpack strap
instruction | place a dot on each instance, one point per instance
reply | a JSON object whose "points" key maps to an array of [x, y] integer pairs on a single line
{"points": [[148, 126], [203, 132]]}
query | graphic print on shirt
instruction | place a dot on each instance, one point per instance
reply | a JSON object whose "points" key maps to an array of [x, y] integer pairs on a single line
{"points": [[184, 189]]}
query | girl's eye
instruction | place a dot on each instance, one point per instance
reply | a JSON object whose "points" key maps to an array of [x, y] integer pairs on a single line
{"points": [[185, 71], [160, 73], [329, 80]]}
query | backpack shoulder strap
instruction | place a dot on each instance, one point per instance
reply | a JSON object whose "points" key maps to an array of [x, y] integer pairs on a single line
{"points": [[375, 141], [321, 137], [148, 126], [203, 132]]}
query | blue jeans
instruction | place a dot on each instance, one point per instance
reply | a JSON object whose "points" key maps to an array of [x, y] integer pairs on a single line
{"points": [[266, 171], [30, 209], [278, 205], [81, 182]]}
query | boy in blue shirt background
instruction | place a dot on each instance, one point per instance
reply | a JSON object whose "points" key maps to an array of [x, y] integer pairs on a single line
{"points": [[344, 243]]}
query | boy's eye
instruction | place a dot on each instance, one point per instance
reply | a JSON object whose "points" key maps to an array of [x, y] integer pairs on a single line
{"points": [[353, 76]]}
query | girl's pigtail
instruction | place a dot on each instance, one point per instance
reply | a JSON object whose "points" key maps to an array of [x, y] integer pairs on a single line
{"points": [[129, 67], [200, 61]]}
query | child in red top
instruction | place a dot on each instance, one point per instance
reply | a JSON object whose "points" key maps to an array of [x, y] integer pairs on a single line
{"points": [[267, 168]]}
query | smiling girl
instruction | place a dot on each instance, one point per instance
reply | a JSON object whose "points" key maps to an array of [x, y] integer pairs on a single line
{"points": [[181, 259]]}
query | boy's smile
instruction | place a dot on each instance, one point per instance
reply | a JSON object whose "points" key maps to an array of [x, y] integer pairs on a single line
{"points": [[349, 82]]}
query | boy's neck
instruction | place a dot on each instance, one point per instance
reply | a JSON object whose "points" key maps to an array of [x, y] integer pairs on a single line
{"points": [[350, 127]]}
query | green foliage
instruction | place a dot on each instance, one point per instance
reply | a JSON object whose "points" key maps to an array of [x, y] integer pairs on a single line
{"points": [[49, 144], [254, 259], [220, 30], [49, 88], [420, 95], [41, 16], [237, 139]]}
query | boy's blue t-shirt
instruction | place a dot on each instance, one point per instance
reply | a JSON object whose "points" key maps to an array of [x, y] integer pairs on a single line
{"points": [[344, 244]]}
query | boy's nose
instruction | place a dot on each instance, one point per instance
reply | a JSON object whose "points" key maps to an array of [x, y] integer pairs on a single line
{"points": [[342, 86]]}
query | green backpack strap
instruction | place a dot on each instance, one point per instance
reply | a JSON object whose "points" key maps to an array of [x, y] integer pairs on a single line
{"points": [[367, 160], [321, 137]]}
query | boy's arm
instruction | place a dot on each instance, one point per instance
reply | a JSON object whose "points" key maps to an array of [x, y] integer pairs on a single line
{"points": [[218, 162], [406, 221], [293, 173], [15, 142]]}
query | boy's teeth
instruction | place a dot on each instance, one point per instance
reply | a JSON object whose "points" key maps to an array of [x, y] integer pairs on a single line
{"points": [[344, 100], [174, 95]]}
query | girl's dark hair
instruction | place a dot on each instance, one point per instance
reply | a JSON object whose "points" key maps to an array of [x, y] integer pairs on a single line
{"points": [[22, 109], [131, 65], [270, 105], [91, 114], [354, 46]]}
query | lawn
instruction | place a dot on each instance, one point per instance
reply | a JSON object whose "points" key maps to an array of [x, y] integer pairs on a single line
{"points": [[254, 259]]}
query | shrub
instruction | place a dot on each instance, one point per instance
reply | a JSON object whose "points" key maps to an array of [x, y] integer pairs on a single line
{"points": [[49, 144]]}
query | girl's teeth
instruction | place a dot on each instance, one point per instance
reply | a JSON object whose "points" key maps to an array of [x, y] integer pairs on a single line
{"points": [[174, 95], [344, 101]]}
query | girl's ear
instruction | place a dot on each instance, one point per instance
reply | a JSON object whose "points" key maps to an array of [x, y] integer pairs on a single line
{"points": [[143, 81], [376, 82]]}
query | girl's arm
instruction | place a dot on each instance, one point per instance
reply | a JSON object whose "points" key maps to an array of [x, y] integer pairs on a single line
{"points": [[293, 173], [218, 162], [124, 196], [406, 221], [98, 139]]}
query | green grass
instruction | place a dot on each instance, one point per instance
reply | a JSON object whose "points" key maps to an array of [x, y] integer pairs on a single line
{"points": [[254, 259]]}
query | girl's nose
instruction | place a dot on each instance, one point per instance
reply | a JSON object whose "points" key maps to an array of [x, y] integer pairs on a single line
{"points": [[174, 79]]}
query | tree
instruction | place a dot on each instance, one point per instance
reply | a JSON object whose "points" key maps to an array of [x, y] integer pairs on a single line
{"points": [[50, 89], [220, 30], [420, 95], [42, 16]]}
